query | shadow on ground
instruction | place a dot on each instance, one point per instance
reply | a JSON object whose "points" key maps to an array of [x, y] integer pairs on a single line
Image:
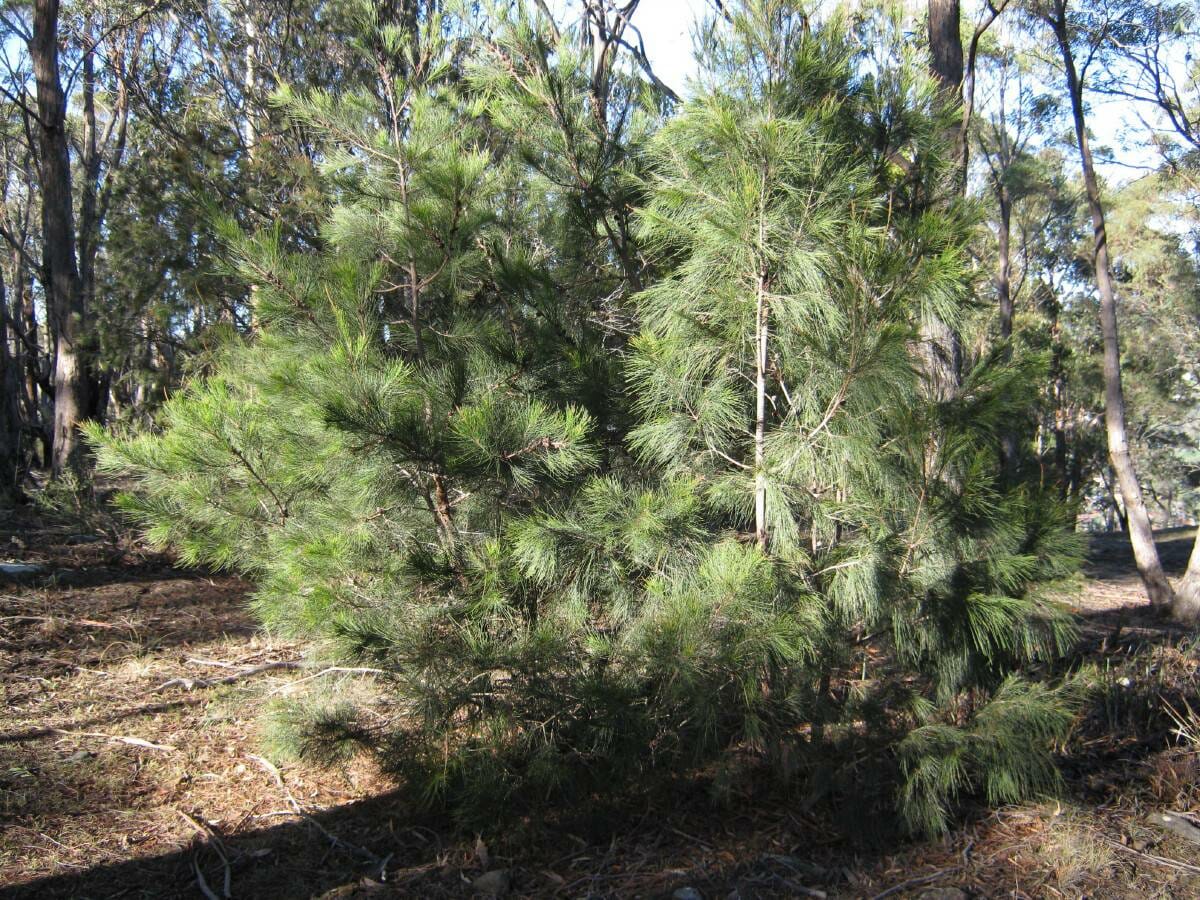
{"points": [[292, 859], [759, 848], [1110, 556], [760, 844]]}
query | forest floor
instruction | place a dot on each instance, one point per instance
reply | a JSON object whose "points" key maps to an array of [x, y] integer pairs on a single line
{"points": [[131, 766]]}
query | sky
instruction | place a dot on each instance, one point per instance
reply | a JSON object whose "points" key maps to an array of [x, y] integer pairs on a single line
{"points": [[666, 27]]}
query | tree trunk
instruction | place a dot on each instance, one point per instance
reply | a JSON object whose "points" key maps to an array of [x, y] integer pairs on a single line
{"points": [[1008, 439], [38, 374], [33, 362], [1141, 535], [943, 345], [10, 411], [1068, 479], [67, 310], [250, 82], [946, 55], [1004, 265], [1186, 608]]}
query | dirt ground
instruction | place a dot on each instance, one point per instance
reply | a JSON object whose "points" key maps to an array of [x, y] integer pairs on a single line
{"points": [[131, 766]]}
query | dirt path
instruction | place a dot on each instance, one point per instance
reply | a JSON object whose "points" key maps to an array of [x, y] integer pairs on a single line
{"points": [[130, 766], [131, 691], [1112, 579]]}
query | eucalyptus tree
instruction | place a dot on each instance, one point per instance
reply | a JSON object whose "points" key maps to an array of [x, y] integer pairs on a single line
{"points": [[91, 55], [1081, 32], [1157, 69], [1010, 124], [27, 367], [1155, 66]]}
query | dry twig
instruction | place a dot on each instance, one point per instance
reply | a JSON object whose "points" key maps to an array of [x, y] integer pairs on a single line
{"points": [[1160, 860], [345, 670], [87, 623], [120, 738], [212, 839], [336, 841], [192, 683], [916, 882]]}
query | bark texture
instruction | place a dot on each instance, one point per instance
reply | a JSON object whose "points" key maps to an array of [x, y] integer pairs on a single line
{"points": [[1141, 535], [1008, 440], [73, 382], [945, 45], [10, 412], [1186, 606], [943, 345]]}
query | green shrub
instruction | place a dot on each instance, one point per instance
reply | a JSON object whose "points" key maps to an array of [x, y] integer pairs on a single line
{"points": [[582, 558]]}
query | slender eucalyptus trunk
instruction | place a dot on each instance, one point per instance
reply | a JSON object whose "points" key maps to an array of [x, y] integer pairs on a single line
{"points": [[1141, 535], [1186, 607], [10, 410], [88, 237], [249, 98], [1004, 264], [38, 384], [34, 363], [1068, 479], [72, 356], [250, 82], [1008, 439]]}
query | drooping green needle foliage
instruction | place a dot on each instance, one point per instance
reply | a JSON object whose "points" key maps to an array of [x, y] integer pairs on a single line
{"points": [[579, 556]]}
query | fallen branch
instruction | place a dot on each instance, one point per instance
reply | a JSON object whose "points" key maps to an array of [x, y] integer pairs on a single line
{"points": [[120, 738], [189, 684], [916, 882], [1161, 860], [1176, 824], [214, 840], [222, 664], [336, 841], [347, 670], [87, 623], [201, 883]]}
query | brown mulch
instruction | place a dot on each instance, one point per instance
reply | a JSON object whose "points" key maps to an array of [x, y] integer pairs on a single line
{"points": [[131, 765]]}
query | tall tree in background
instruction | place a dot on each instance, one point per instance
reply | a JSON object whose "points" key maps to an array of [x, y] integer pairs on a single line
{"points": [[10, 410], [77, 166], [956, 77], [1069, 33], [1000, 167], [943, 356], [1003, 136], [22, 374], [75, 379], [946, 50], [162, 118], [1162, 34]]}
